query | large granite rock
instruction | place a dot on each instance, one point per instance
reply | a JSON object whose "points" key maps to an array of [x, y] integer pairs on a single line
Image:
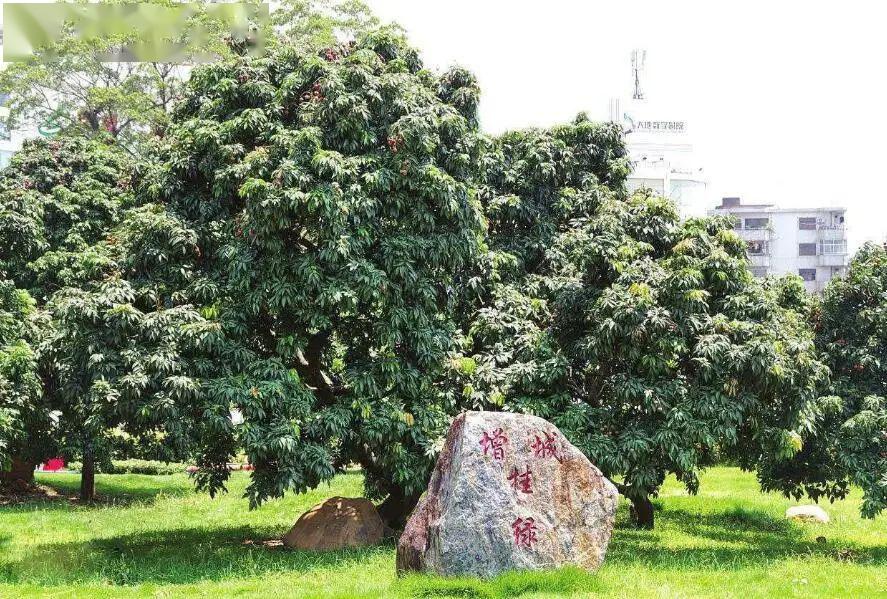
{"points": [[509, 492], [337, 523]]}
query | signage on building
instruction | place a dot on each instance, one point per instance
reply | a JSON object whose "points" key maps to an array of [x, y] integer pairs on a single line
{"points": [[637, 125]]}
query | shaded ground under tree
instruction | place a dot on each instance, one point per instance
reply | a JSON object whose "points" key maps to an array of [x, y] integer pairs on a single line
{"points": [[153, 533]]}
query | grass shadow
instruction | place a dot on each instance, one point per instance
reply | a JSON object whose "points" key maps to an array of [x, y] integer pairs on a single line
{"points": [[564, 581], [729, 539], [179, 556], [112, 490]]}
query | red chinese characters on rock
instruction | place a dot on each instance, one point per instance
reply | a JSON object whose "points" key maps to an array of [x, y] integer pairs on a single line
{"points": [[521, 481], [495, 444], [545, 448], [524, 530]]}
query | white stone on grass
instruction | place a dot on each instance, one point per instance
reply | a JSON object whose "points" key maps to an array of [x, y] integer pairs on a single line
{"points": [[807, 513]]}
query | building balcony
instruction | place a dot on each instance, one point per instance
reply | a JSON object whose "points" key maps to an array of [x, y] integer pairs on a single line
{"points": [[831, 232], [762, 234], [833, 259], [759, 260]]}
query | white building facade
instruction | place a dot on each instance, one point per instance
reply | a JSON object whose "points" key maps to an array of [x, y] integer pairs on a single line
{"points": [[660, 147], [809, 242], [10, 141], [661, 155]]}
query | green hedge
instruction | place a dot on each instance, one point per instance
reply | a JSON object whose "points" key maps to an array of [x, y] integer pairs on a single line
{"points": [[135, 467]]}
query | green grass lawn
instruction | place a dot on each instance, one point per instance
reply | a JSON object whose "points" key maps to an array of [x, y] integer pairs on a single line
{"points": [[153, 536]]}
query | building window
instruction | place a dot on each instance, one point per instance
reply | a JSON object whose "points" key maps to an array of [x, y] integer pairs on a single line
{"points": [[808, 274], [757, 248], [833, 246], [806, 249], [807, 223], [758, 271], [757, 223]]}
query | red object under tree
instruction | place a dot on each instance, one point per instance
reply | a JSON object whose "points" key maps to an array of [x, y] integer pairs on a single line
{"points": [[53, 465]]}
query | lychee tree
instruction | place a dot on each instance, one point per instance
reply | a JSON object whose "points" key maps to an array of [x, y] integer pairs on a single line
{"points": [[57, 199], [644, 338], [25, 423], [331, 198], [848, 442], [105, 351]]}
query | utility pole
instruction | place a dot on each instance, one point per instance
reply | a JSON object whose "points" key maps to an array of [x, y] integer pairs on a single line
{"points": [[638, 58]]}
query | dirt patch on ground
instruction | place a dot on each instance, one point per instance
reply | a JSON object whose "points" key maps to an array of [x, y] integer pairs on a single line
{"points": [[14, 495]]}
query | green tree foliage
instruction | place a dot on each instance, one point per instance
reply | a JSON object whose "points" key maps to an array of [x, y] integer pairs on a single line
{"points": [[25, 425], [109, 350], [853, 325], [118, 363], [73, 86], [848, 442], [330, 195], [58, 199], [314, 24], [644, 339], [86, 84], [118, 352]]}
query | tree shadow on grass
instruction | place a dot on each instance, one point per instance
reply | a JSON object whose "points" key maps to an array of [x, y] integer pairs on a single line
{"points": [[111, 491], [730, 539], [564, 581], [685, 541], [191, 555], [180, 556]]}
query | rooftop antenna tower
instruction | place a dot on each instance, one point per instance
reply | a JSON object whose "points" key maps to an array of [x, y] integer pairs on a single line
{"points": [[638, 58]]}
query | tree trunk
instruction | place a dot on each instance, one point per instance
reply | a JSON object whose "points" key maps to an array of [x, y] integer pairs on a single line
{"points": [[20, 473], [87, 474], [396, 508], [642, 511]]}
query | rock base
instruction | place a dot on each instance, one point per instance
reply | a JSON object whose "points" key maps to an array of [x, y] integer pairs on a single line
{"points": [[337, 523]]}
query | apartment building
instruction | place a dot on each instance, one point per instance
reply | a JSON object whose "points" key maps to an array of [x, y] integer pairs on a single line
{"points": [[810, 242]]}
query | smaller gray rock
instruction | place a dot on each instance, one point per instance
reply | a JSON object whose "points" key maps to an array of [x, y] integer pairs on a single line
{"points": [[807, 513]]}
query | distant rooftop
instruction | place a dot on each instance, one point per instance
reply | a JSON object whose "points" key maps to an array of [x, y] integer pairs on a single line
{"points": [[728, 203]]}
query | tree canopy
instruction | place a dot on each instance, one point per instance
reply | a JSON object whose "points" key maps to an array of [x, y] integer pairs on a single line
{"points": [[57, 200], [331, 198], [847, 443], [645, 339]]}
